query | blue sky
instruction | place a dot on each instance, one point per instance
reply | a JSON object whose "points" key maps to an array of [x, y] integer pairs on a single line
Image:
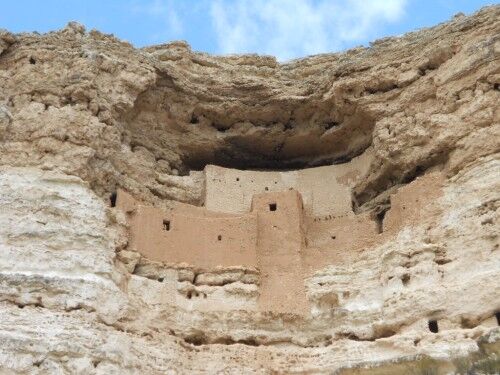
{"points": [[284, 28]]}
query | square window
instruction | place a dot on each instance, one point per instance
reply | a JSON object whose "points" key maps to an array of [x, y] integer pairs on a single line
{"points": [[273, 206]]}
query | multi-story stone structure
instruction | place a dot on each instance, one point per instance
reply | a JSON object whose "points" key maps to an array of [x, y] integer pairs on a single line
{"points": [[283, 224]]}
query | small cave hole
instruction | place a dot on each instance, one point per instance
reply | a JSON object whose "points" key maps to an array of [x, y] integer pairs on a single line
{"points": [[433, 326], [331, 124], [194, 119], [334, 237], [248, 341], [32, 60], [219, 237], [405, 279], [497, 315], [273, 206], [112, 199], [220, 128], [189, 295], [196, 339], [160, 279], [237, 178], [166, 225], [418, 171], [266, 188]]}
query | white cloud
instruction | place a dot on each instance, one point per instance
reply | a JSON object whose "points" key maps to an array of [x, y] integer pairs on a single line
{"points": [[165, 10], [294, 28]]}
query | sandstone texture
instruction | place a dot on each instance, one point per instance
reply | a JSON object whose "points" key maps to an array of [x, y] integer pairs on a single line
{"points": [[394, 148]]}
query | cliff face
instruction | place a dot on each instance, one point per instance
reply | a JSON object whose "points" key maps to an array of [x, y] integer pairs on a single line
{"points": [[83, 114]]}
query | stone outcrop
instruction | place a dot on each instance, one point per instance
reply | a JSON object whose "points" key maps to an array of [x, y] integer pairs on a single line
{"points": [[408, 283]]}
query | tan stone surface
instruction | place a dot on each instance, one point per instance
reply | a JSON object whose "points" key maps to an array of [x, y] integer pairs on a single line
{"points": [[92, 114], [325, 190], [192, 236]]}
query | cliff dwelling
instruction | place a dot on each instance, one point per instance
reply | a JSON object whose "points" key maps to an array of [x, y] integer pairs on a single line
{"points": [[283, 224]]}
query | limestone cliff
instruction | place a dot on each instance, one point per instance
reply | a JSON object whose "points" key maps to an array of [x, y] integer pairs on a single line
{"points": [[83, 114]]}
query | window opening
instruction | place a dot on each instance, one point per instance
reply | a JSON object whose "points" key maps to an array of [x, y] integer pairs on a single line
{"points": [[433, 326], [166, 225]]}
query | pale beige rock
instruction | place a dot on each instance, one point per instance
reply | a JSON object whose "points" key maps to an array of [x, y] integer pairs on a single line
{"points": [[82, 114]]}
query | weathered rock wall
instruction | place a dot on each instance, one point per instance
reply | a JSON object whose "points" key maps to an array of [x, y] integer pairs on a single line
{"points": [[91, 105], [82, 113]]}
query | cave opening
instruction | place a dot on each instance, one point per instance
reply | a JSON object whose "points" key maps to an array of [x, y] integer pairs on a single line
{"points": [[194, 119], [318, 139], [273, 206], [433, 326], [231, 156]]}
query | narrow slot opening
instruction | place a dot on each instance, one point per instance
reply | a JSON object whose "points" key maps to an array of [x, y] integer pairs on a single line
{"points": [[166, 225], [112, 199], [379, 219]]}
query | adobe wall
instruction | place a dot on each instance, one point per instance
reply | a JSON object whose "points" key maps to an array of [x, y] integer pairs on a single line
{"points": [[325, 190], [414, 201], [193, 236], [270, 238], [337, 239], [279, 252], [340, 239]]}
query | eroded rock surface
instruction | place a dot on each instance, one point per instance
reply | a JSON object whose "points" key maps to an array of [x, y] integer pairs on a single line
{"points": [[83, 114]]}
